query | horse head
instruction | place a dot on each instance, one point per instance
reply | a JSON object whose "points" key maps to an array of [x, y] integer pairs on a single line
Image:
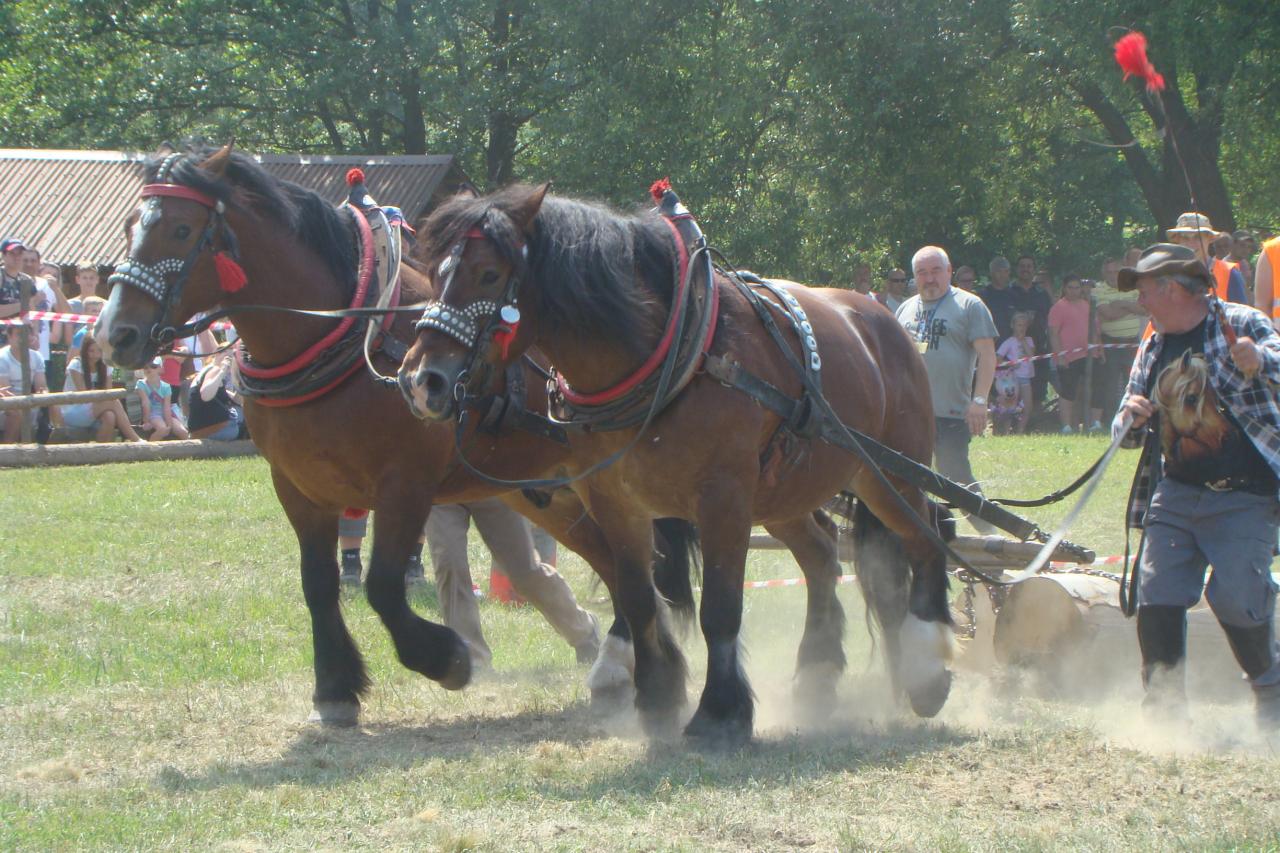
{"points": [[1189, 404], [476, 253]]}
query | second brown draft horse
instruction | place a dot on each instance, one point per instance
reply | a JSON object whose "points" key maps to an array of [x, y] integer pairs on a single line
{"points": [[354, 445], [593, 290]]}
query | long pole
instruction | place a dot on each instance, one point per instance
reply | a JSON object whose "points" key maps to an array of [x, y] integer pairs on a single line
{"points": [[1086, 404], [21, 351]]}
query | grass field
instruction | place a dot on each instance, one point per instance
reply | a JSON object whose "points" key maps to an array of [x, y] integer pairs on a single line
{"points": [[155, 678]]}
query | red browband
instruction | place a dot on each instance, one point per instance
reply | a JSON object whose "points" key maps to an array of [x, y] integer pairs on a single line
{"points": [[179, 191]]}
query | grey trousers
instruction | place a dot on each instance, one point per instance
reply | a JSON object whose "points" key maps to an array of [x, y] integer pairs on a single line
{"points": [[1190, 528], [507, 535], [951, 458]]}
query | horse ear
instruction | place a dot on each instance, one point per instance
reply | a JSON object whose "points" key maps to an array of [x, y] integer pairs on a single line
{"points": [[525, 209], [217, 163], [1186, 359], [467, 190]]}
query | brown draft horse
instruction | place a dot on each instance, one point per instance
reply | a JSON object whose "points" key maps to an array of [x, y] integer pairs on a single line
{"points": [[593, 290], [356, 445]]}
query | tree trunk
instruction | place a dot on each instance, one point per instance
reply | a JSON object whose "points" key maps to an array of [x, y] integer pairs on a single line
{"points": [[414, 137], [500, 152], [1165, 188]]}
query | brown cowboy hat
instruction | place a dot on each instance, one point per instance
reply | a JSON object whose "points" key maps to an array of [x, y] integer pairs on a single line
{"points": [[1162, 259]]}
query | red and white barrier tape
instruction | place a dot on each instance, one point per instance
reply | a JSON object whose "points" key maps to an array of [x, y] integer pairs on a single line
{"points": [[59, 317], [1072, 351]]}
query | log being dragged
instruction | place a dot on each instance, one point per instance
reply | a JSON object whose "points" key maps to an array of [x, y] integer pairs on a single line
{"points": [[1067, 631]]}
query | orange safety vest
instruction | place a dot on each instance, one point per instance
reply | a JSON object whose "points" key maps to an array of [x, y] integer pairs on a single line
{"points": [[1222, 277], [1271, 249]]}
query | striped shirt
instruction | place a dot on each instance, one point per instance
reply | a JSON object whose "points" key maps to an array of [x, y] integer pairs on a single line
{"points": [[1251, 401]]}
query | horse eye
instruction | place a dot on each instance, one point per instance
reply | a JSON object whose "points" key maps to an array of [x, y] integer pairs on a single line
{"points": [[182, 232], [489, 277], [1192, 398]]}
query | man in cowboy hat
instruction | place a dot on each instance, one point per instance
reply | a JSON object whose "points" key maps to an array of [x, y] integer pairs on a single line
{"points": [[1196, 232], [1214, 500]]}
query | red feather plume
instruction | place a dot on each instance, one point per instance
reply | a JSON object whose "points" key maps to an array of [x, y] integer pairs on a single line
{"points": [[658, 188], [355, 176], [1131, 56]]}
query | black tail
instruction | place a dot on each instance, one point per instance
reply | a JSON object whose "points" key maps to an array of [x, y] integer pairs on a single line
{"points": [[883, 575], [677, 565]]}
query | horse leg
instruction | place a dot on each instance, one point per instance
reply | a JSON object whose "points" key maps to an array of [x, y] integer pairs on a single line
{"points": [[726, 709], [340, 673], [928, 637], [612, 675], [660, 668], [436, 651], [821, 659], [922, 641]]}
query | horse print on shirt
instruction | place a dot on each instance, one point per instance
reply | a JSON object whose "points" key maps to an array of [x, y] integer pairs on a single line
{"points": [[1194, 433]]}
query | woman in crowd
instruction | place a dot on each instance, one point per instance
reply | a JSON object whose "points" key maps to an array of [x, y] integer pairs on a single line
{"points": [[1071, 330], [215, 406], [88, 372]]}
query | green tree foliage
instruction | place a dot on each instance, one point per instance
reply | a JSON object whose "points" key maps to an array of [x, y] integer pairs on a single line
{"points": [[806, 135]]}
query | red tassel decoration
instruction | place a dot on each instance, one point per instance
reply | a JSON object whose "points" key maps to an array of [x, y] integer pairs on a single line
{"points": [[1131, 56], [658, 188], [231, 276], [355, 176], [504, 336]]}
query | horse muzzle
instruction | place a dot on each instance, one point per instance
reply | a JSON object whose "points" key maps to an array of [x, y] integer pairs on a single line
{"points": [[429, 393]]}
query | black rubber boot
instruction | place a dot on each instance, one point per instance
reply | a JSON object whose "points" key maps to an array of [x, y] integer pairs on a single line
{"points": [[1255, 651], [413, 571], [1162, 636]]}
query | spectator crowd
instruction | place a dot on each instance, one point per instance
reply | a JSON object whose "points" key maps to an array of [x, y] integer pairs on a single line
{"points": [[186, 392]]}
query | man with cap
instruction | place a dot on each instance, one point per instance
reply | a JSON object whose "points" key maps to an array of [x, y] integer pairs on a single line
{"points": [[1195, 231], [1202, 386], [13, 281]]}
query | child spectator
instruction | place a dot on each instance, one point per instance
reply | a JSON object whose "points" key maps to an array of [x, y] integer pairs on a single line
{"points": [[88, 372], [171, 373], [157, 407], [87, 283], [1018, 348]]}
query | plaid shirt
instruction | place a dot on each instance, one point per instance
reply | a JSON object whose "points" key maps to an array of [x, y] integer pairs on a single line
{"points": [[1252, 402]]}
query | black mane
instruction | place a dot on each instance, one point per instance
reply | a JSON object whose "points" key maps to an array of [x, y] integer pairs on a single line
{"points": [[593, 271], [320, 226]]}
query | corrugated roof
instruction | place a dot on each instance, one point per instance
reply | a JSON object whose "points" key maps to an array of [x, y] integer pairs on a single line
{"points": [[72, 205]]}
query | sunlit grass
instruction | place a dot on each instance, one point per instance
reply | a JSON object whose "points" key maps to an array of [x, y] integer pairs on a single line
{"points": [[155, 674]]}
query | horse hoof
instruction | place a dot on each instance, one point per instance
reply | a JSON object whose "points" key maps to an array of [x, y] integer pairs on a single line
{"points": [[336, 714], [660, 725], [814, 693], [616, 699], [704, 732], [458, 675], [927, 699]]}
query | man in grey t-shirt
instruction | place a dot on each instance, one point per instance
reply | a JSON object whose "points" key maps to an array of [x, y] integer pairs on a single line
{"points": [[956, 335]]}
